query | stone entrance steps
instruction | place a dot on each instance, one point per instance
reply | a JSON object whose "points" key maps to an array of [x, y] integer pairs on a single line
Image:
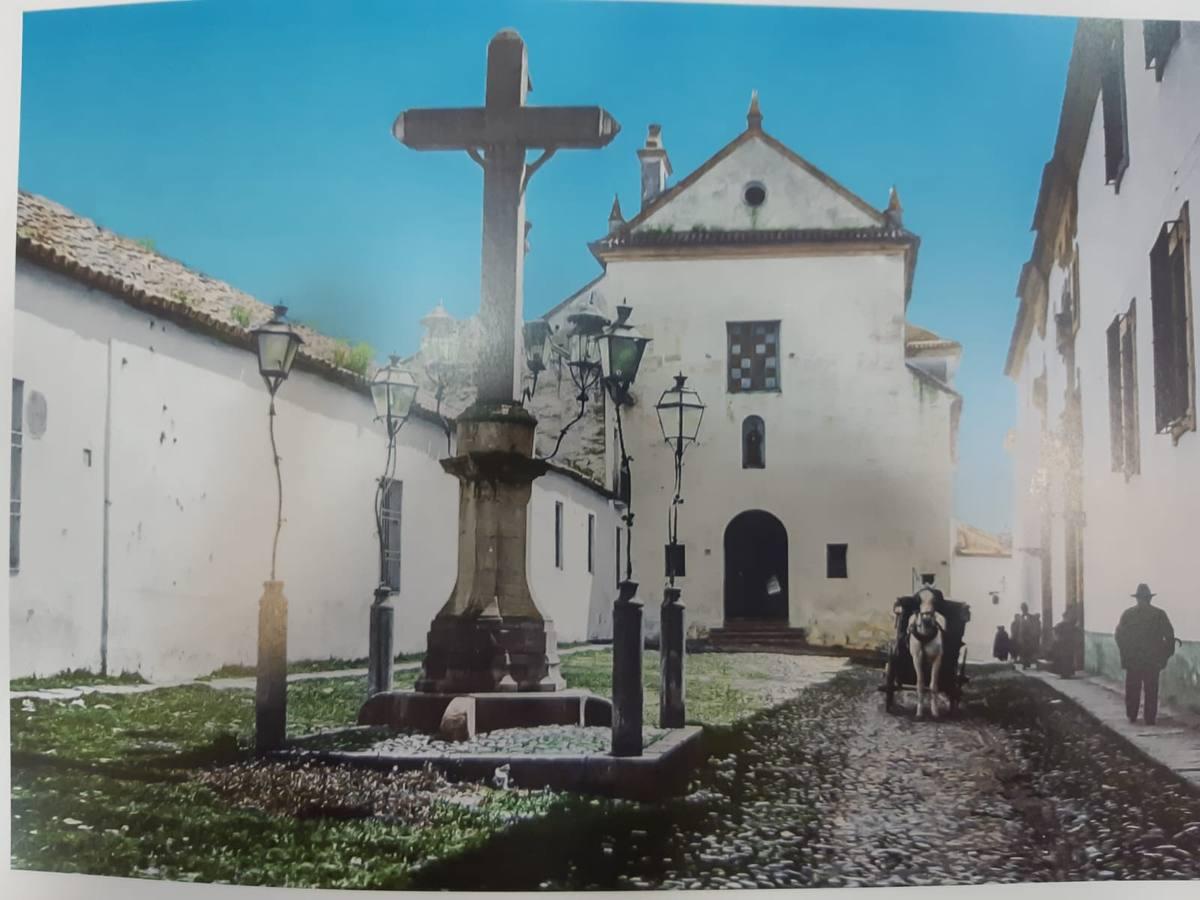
{"points": [[756, 636]]}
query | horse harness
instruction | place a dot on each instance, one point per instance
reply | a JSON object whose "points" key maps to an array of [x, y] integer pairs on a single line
{"points": [[924, 627]]}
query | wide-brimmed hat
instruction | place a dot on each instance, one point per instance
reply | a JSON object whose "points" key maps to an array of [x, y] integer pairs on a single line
{"points": [[1143, 592]]}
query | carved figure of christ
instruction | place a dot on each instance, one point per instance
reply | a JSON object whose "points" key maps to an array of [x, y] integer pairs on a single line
{"points": [[497, 136]]}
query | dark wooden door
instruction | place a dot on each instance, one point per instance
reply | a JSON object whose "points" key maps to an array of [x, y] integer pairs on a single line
{"points": [[756, 568]]}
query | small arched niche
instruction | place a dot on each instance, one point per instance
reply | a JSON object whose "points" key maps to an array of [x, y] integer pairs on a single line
{"points": [[754, 443]]}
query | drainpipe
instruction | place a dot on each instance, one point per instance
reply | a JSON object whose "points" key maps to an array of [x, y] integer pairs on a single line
{"points": [[107, 504]]}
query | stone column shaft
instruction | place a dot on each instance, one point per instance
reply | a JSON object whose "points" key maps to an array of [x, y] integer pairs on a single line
{"points": [[671, 657], [270, 696], [627, 673]]}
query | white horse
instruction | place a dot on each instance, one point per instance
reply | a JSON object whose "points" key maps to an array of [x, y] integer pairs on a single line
{"points": [[925, 629]]}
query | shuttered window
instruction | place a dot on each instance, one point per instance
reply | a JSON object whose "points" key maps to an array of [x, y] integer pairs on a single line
{"points": [[1122, 393], [1174, 369], [14, 489], [1116, 125], [1160, 39], [753, 357], [390, 520]]}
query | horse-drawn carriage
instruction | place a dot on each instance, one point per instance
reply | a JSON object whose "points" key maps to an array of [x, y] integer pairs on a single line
{"points": [[919, 633]]}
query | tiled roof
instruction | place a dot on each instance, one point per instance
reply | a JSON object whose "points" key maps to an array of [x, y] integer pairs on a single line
{"points": [[973, 541], [756, 236], [54, 236]]}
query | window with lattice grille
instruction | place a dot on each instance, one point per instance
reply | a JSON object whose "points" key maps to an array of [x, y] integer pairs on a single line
{"points": [[753, 356]]}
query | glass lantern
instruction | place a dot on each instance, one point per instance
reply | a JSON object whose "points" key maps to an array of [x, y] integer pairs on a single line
{"points": [[680, 412], [393, 390], [277, 344]]}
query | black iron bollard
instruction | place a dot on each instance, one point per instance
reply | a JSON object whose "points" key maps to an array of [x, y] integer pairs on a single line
{"points": [[627, 673], [380, 665], [671, 653], [270, 696]]}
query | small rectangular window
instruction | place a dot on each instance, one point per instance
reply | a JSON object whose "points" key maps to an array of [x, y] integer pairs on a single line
{"points": [[558, 534], [390, 521], [835, 561], [1160, 38], [591, 543], [752, 364], [1170, 302], [1112, 98], [14, 490]]}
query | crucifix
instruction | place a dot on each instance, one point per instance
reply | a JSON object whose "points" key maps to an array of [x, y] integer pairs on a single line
{"points": [[497, 136], [490, 636]]}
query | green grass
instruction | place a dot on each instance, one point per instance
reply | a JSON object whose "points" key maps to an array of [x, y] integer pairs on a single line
{"points": [[303, 666], [108, 785], [712, 699], [72, 678], [121, 769]]}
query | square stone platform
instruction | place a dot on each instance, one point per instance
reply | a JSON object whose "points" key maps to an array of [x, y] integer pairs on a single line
{"points": [[423, 712], [663, 770]]}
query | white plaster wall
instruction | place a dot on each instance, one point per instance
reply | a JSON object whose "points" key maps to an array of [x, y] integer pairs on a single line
{"points": [[1138, 529], [796, 198], [1143, 529], [193, 501], [579, 602], [54, 598], [858, 449], [975, 579]]}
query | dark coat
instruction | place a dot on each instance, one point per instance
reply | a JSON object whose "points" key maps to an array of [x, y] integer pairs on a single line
{"points": [[1002, 646], [1145, 638]]}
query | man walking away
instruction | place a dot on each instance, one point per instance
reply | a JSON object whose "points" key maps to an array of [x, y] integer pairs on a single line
{"points": [[1146, 641]]}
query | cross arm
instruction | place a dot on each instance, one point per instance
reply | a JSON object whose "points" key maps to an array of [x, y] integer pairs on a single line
{"points": [[565, 127], [441, 129]]}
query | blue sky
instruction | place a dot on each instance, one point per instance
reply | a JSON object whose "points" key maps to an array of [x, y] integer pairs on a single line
{"points": [[251, 140]]}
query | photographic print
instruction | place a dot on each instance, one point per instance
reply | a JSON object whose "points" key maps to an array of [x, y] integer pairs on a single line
{"points": [[601, 446]]}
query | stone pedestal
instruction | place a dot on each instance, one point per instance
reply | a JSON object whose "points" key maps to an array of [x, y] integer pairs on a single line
{"points": [[490, 635], [270, 696], [381, 656], [671, 653], [627, 673]]}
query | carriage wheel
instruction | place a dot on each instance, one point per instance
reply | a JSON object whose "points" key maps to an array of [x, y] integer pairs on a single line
{"points": [[889, 688]]}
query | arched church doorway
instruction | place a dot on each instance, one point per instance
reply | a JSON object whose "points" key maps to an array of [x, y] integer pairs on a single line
{"points": [[756, 568]]}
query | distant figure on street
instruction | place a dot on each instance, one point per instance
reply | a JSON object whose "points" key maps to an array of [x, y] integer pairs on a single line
{"points": [[1002, 645], [1068, 636], [1026, 636], [1146, 641]]}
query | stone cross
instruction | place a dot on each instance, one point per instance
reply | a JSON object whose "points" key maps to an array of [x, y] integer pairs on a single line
{"points": [[497, 136]]}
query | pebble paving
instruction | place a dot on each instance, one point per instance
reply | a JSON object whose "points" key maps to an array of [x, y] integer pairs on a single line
{"points": [[830, 790]]}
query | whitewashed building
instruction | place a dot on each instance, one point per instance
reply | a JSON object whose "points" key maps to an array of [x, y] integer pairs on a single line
{"points": [[984, 571], [821, 485], [143, 493], [1103, 349]]}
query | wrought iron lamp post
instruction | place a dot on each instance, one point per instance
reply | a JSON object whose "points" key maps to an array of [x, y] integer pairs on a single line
{"points": [[277, 344], [621, 349], [393, 391], [680, 412]]}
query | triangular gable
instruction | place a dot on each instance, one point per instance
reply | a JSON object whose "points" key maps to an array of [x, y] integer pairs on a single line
{"points": [[799, 195]]}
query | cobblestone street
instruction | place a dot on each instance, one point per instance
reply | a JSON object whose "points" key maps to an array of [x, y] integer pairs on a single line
{"points": [[830, 790]]}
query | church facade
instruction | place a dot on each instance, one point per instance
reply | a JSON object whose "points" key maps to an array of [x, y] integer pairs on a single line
{"points": [[821, 486]]}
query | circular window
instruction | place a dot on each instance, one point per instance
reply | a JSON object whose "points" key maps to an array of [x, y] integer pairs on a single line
{"points": [[755, 194]]}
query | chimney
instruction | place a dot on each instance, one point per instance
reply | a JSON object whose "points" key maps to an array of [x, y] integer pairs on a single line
{"points": [[656, 167], [615, 219]]}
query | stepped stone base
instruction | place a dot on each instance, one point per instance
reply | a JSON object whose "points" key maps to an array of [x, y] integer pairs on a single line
{"points": [[423, 711]]}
